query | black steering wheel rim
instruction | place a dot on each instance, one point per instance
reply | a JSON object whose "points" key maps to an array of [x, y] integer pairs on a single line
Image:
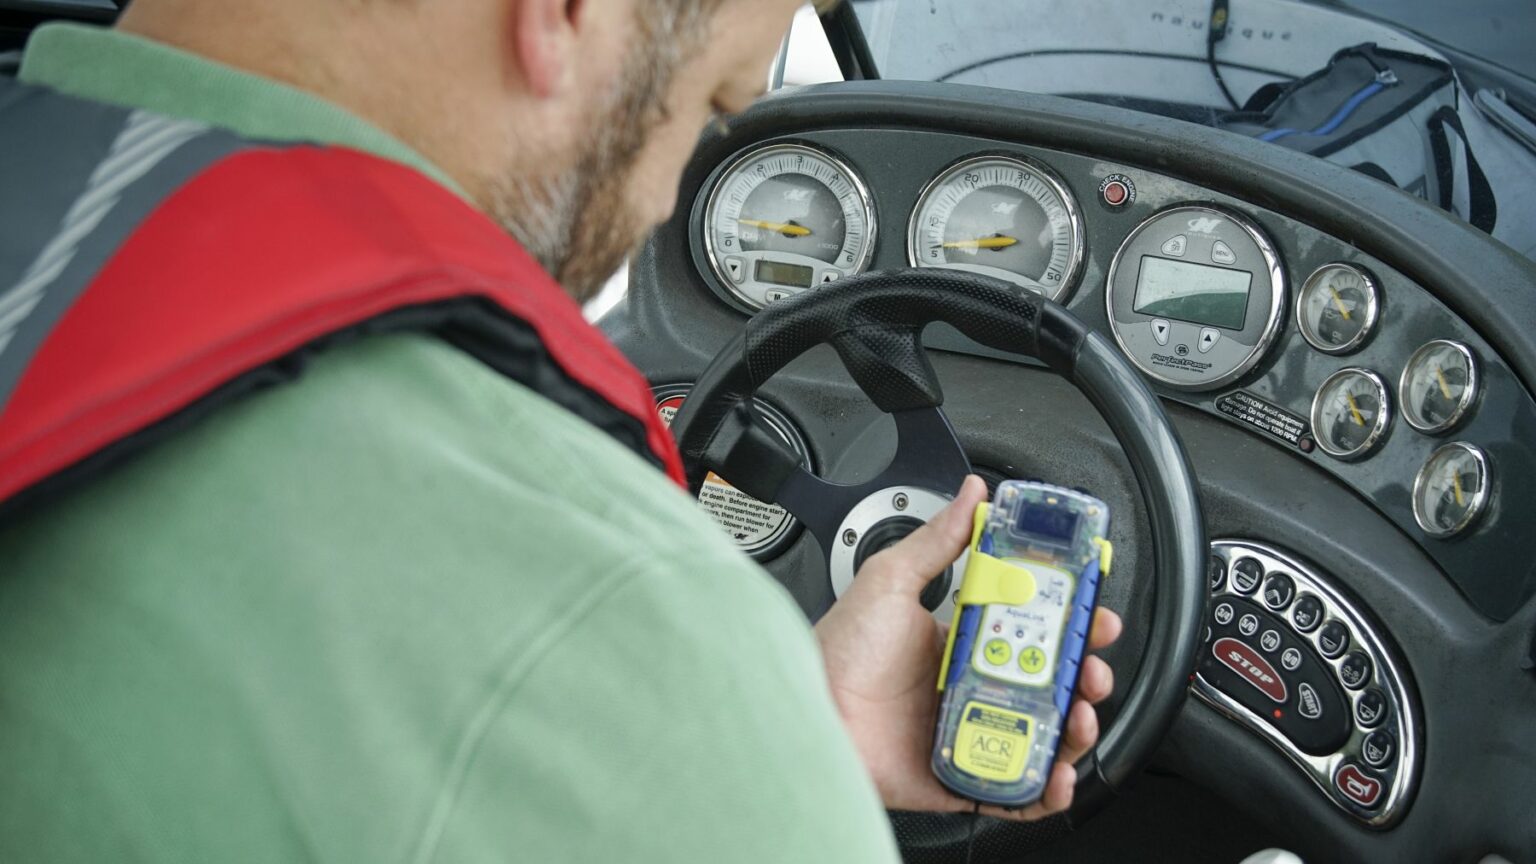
{"points": [[875, 322]]}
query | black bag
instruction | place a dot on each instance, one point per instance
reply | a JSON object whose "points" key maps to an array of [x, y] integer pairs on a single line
{"points": [[1389, 114]]}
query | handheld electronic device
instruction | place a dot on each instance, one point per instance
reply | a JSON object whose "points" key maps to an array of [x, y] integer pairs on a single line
{"points": [[1021, 625]]}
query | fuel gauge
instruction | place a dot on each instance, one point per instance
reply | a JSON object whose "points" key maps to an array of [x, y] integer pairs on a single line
{"points": [[1451, 490], [1439, 384], [1338, 307], [1350, 413]]}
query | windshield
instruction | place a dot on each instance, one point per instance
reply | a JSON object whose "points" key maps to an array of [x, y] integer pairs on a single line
{"points": [[1355, 84]]}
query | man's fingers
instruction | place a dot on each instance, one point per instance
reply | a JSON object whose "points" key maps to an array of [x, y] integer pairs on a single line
{"points": [[1081, 734], [1106, 629], [923, 554], [1096, 681]]}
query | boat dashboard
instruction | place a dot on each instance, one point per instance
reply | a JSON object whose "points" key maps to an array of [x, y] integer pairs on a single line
{"points": [[1350, 369]]}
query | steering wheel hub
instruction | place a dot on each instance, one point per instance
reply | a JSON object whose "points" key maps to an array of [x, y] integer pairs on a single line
{"points": [[881, 519]]}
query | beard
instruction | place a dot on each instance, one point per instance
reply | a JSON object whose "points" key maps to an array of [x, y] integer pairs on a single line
{"points": [[577, 221]]}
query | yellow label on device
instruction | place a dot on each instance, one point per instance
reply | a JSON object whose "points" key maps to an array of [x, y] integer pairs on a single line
{"points": [[992, 743]]}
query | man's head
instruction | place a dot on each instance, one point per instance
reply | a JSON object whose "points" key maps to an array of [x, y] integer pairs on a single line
{"points": [[568, 121]]}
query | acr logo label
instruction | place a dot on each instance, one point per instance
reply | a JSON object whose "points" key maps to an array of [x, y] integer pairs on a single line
{"points": [[1204, 225], [995, 745]]}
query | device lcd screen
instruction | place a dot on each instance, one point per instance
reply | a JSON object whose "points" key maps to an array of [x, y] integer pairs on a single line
{"points": [[1214, 296], [1048, 523], [779, 273]]}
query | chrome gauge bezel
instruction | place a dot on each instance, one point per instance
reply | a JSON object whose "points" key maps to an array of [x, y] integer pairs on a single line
{"points": [[1372, 308], [1378, 428], [1479, 501], [1077, 255], [720, 182], [1468, 396]]}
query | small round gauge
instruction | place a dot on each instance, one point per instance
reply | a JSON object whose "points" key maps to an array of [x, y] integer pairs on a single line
{"points": [[1337, 308], [1001, 217], [1350, 413], [1438, 385], [1451, 490], [786, 218]]}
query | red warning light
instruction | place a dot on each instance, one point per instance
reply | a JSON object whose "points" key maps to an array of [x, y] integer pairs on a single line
{"points": [[1279, 713]]}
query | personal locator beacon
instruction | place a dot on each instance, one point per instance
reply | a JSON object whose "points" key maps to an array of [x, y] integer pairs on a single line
{"points": [[1021, 625]]}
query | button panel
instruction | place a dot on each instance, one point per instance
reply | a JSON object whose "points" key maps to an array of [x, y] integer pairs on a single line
{"points": [[1303, 666]]}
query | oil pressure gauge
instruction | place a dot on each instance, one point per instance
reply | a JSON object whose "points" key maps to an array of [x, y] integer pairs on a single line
{"points": [[1350, 413], [1451, 490], [1001, 217], [1338, 308], [1439, 384]]}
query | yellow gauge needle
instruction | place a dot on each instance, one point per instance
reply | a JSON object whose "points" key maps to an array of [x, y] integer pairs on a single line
{"points": [[1461, 500], [1339, 303], [1445, 388], [998, 242], [1355, 410], [779, 227]]}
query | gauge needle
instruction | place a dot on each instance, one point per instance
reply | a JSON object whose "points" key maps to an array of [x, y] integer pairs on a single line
{"points": [[1339, 302], [994, 242], [1445, 388], [1461, 500], [784, 228], [1355, 410]]}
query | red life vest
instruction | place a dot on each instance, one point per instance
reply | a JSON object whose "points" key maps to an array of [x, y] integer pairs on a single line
{"points": [[220, 266]]}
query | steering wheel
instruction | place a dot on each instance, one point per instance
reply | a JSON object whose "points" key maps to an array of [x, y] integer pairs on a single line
{"points": [[875, 321]]}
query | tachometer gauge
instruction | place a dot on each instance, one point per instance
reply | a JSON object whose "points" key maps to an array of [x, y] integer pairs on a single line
{"points": [[785, 218], [1438, 385], [1350, 413], [1001, 217], [1451, 489], [1338, 307]]}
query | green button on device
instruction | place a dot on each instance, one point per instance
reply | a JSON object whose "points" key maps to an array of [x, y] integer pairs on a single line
{"points": [[997, 651]]}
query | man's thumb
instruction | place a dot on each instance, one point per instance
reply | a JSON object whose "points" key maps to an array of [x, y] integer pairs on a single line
{"points": [[911, 564]]}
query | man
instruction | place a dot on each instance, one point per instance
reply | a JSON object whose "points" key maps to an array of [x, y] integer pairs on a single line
{"points": [[398, 596]]}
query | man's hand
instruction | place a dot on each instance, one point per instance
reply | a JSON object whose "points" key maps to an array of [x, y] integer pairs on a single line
{"points": [[882, 651]]}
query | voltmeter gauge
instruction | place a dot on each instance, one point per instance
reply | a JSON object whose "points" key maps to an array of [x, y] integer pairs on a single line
{"points": [[1350, 413], [786, 218], [1001, 217], [1451, 490], [1438, 385], [1338, 307]]}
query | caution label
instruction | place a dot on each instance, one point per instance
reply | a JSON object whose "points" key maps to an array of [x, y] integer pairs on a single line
{"points": [[753, 524], [993, 743], [1268, 418]]}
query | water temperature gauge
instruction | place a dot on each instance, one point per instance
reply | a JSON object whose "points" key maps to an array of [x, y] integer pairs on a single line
{"points": [[1451, 490], [1350, 413]]}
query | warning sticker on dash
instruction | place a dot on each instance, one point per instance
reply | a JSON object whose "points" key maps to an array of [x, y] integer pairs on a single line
{"points": [[1268, 418]]}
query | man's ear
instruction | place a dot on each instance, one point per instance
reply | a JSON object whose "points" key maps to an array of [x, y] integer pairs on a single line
{"points": [[544, 42]]}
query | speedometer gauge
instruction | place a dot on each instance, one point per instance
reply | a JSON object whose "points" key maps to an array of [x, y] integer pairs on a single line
{"points": [[1001, 217], [785, 218]]}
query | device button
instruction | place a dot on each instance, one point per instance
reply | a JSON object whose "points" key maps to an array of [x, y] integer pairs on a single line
{"points": [[773, 294], [1250, 666], [1270, 641], [1355, 670], [1115, 192], [1223, 614], [1175, 245], [997, 651], [1246, 575], [1248, 624], [1221, 253], [736, 268], [1307, 703], [1031, 660], [1290, 659], [1160, 330], [1371, 708], [1333, 639], [1217, 572], [1307, 614], [1209, 336], [1278, 591], [1357, 786], [830, 276], [1377, 749]]}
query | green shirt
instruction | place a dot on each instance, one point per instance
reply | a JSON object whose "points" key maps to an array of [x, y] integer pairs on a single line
{"points": [[402, 609]]}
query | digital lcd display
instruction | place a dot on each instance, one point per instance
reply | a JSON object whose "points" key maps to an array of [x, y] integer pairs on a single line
{"points": [[1197, 293], [779, 273], [1048, 523]]}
